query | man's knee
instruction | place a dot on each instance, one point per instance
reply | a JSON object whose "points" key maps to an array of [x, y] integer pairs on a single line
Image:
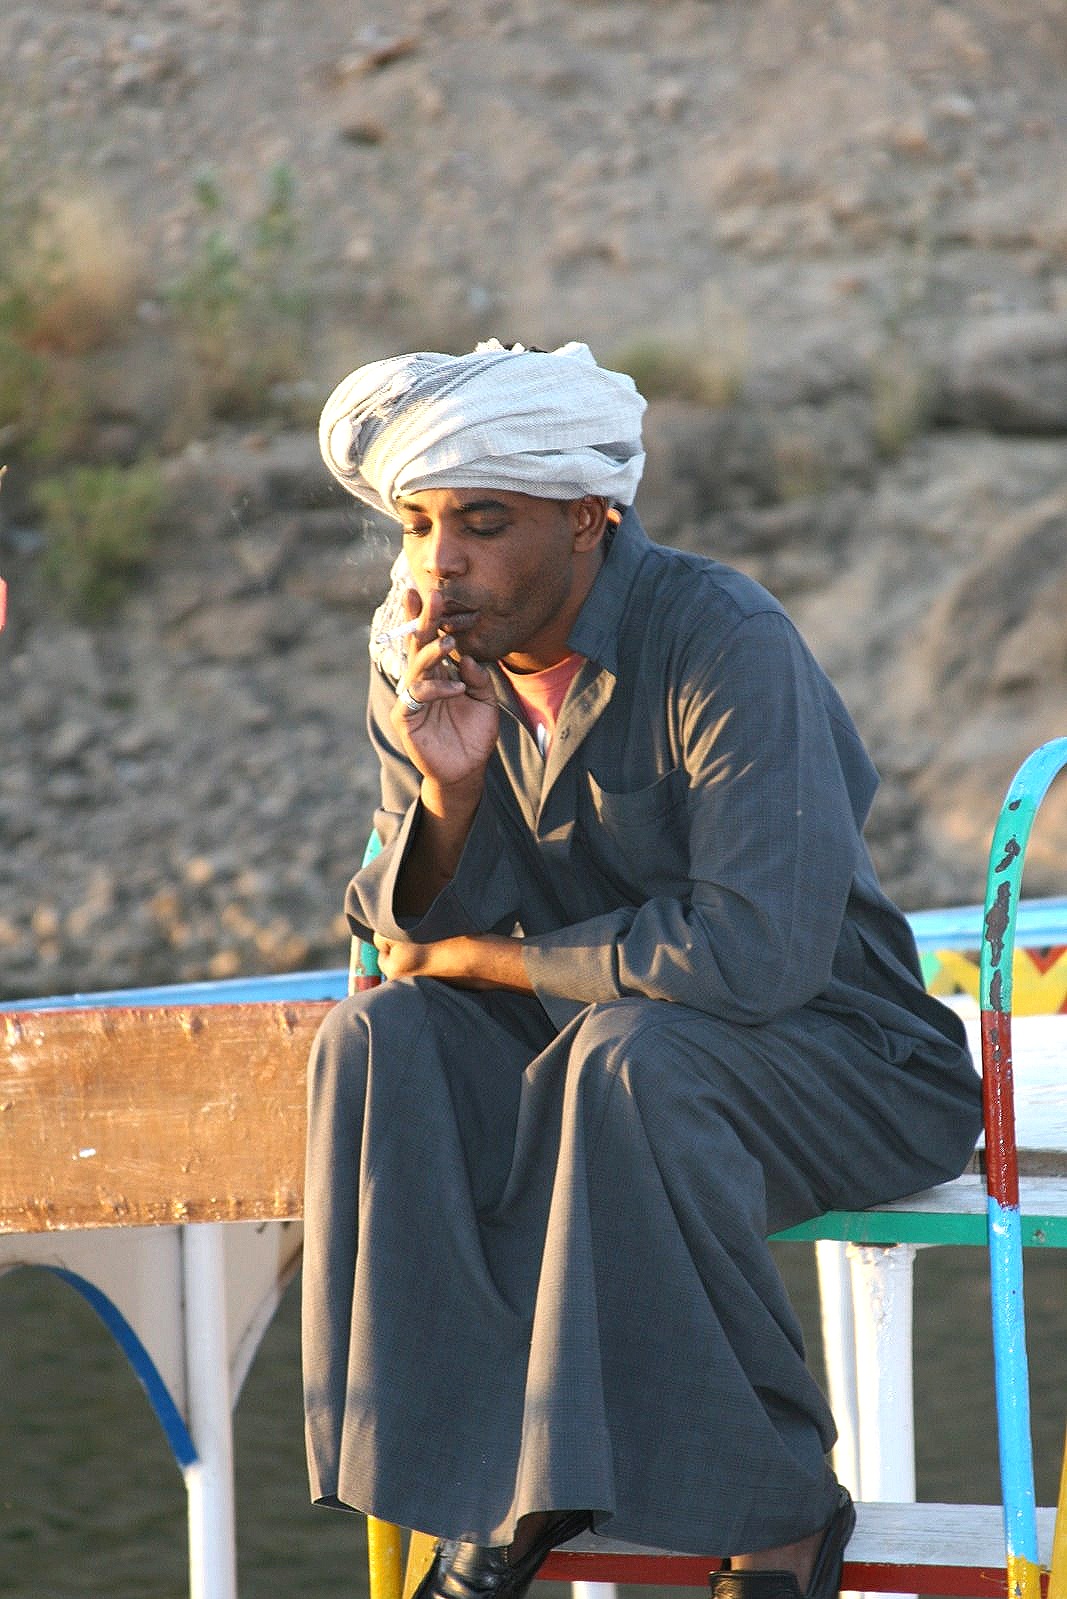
{"points": [[340, 1030], [615, 1024], [623, 1039], [658, 1051], [342, 1042]]}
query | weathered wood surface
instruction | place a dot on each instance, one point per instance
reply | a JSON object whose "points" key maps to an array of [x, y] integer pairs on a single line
{"points": [[127, 1117], [966, 1196], [954, 1213], [149, 1116]]}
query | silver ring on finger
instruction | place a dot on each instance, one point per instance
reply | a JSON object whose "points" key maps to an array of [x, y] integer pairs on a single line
{"points": [[410, 704]]}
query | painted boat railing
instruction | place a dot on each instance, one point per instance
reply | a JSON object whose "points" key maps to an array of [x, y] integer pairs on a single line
{"points": [[887, 1552], [1040, 923], [1011, 1373]]}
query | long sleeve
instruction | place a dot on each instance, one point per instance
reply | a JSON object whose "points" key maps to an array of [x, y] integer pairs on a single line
{"points": [[484, 894], [771, 832], [695, 834]]}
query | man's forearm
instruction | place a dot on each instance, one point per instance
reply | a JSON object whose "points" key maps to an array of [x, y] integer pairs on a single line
{"points": [[433, 856], [485, 960]]}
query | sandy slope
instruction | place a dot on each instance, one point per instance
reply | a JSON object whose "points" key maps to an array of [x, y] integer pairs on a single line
{"points": [[847, 223]]}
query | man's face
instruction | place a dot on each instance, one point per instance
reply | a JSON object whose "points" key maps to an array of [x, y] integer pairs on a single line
{"points": [[512, 569]]}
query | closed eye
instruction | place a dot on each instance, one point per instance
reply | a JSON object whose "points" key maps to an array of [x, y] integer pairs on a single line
{"points": [[471, 529], [486, 532]]}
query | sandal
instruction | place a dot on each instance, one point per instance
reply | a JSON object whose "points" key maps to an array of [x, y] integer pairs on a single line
{"points": [[825, 1582]]}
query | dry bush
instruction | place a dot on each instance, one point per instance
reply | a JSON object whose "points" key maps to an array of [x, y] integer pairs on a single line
{"points": [[706, 367], [79, 273], [665, 371]]}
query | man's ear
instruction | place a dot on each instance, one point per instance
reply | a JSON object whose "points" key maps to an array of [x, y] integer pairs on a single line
{"points": [[589, 518]]}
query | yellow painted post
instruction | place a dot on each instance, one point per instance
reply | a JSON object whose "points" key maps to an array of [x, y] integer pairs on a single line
{"points": [[384, 1559], [421, 1547], [1057, 1584], [383, 1539]]}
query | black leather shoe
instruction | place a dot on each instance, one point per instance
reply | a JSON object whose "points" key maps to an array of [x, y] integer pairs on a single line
{"points": [[825, 1580], [476, 1571]]}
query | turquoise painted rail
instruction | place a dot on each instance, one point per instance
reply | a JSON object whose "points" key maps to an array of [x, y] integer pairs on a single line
{"points": [[1011, 1371]]}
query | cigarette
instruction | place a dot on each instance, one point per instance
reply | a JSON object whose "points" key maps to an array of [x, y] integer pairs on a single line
{"points": [[393, 633]]}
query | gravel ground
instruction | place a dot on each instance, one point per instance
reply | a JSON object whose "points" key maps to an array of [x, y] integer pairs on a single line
{"points": [[837, 235]]}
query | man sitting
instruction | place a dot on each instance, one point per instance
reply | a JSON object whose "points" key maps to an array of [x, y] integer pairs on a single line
{"points": [[647, 1004]]}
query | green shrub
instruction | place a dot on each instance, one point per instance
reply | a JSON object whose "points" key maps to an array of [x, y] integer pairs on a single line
{"points": [[21, 373], [101, 523], [901, 393], [242, 307], [44, 403]]}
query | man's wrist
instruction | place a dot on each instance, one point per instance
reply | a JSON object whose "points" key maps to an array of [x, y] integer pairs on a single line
{"points": [[437, 843], [451, 802]]}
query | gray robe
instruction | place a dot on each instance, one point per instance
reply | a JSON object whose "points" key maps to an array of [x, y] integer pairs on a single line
{"points": [[562, 1295]]}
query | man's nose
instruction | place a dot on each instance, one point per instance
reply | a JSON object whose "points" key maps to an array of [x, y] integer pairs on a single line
{"points": [[442, 554]]}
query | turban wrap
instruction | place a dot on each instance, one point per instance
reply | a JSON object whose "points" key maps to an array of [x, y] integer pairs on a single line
{"points": [[551, 424]]}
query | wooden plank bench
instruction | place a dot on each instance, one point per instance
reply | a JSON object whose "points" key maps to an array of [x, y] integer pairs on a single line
{"points": [[141, 1116], [131, 1121]]}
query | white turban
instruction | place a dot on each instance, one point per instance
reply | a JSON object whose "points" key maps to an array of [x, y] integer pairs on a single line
{"points": [[551, 424]]}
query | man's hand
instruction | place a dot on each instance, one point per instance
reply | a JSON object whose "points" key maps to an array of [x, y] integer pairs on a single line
{"points": [[448, 727], [446, 715], [485, 961]]}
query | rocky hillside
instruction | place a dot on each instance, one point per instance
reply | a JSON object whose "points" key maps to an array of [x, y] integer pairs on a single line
{"points": [[829, 240]]}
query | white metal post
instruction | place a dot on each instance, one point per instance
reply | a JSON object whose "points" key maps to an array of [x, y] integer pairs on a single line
{"points": [[866, 1296], [882, 1309], [593, 1590], [209, 1480], [839, 1351]]}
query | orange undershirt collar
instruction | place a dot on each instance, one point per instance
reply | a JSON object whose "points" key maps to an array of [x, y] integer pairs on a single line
{"points": [[541, 694]]}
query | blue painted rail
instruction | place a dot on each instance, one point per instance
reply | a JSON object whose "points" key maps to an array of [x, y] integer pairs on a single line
{"points": [[1039, 922]]}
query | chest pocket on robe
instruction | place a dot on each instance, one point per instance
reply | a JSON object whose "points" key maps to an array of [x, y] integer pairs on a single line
{"points": [[640, 839]]}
